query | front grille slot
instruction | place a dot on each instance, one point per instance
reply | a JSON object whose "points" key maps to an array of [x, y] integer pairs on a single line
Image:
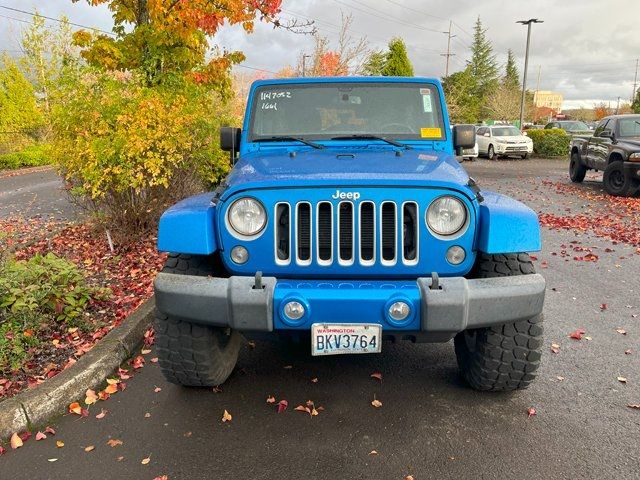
{"points": [[325, 232], [303, 224], [345, 231], [388, 232], [410, 232], [283, 233], [367, 232]]}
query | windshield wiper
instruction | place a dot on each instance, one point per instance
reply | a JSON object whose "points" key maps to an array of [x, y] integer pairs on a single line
{"points": [[288, 139], [372, 137]]}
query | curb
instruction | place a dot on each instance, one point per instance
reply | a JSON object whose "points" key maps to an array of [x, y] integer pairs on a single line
{"points": [[25, 171], [36, 406]]}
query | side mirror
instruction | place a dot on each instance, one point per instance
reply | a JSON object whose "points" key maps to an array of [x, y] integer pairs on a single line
{"points": [[230, 139], [606, 133], [464, 136]]}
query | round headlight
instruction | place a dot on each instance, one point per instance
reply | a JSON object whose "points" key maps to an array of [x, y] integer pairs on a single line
{"points": [[446, 215], [247, 216]]}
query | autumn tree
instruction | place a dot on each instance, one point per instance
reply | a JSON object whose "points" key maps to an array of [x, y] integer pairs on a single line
{"points": [[601, 110], [503, 103]]}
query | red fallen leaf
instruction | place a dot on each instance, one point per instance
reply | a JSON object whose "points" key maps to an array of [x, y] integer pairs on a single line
{"points": [[157, 389], [590, 257], [122, 386], [24, 436], [282, 406], [376, 375], [123, 374], [161, 477], [40, 436], [544, 264], [2, 450], [533, 257], [102, 395], [577, 335], [50, 430], [149, 337], [101, 415], [603, 306], [84, 412], [137, 362], [154, 360], [531, 411]]}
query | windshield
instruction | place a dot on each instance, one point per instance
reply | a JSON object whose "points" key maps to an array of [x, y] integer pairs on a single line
{"points": [[629, 127], [329, 110], [505, 132], [575, 126]]}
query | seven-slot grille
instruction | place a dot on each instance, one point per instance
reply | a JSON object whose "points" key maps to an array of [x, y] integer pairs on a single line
{"points": [[365, 232]]}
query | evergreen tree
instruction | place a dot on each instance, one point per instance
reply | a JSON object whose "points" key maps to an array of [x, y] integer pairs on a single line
{"points": [[511, 76], [374, 63], [635, 106], [397, 63], [462, 103], [483, 64]]}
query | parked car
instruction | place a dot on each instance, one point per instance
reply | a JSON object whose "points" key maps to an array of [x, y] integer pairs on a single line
{"points": [[495, 141], [345, 220], [572, 127], [613, 149]]}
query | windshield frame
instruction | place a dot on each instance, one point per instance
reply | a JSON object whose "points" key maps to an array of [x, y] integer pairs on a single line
{"points": [[350, 84]]}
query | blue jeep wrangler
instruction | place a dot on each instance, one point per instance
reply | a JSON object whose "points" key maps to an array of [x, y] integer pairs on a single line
{"points": [[345, 221]]}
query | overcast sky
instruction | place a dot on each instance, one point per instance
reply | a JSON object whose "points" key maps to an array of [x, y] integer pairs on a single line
{"points": [[586, 49]]}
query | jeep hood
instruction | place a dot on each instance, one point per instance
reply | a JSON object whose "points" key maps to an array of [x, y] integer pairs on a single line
{"points": [[347, 168]]}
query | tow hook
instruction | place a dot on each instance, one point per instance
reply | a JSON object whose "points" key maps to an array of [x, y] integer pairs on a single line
{"points": [[258, 281], [435, 281]]}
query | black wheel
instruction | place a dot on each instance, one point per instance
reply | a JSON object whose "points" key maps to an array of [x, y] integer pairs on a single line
{"points": [[190, 354], [524, 156], [617, 182], [503, 357], [491, 153], [577, 170]]}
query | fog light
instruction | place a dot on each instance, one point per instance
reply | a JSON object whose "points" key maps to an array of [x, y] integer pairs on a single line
{"points": [[239, 255], [399, 311], [456, 255], [294, 310]]}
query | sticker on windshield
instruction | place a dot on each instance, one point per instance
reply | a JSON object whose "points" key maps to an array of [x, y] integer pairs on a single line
{"points": [[431, 132], [269, 99], [426, 100]]}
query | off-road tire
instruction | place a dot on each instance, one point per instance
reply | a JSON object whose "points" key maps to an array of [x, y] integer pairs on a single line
{"points": [[617, 182], [191, 354], [577, 170], [503, 357], [491, 153]]}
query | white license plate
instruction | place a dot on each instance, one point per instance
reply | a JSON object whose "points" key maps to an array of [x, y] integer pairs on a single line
{"points": [[336, 339]]}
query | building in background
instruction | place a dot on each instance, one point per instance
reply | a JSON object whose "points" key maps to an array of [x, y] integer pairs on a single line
{"points": [[548, 99]]}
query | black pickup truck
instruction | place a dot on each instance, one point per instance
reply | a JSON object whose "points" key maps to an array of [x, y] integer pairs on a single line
{"points": [[614, 149]]}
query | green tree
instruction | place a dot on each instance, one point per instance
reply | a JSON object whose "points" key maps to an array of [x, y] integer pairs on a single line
{"points": [[462, 103], [20, 112], [635, 106], [511, 77], [374, 63], [396, 62], [483, 63]]}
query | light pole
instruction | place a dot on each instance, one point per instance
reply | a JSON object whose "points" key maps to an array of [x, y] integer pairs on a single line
{"points": [[304, 64], [526, 64]]}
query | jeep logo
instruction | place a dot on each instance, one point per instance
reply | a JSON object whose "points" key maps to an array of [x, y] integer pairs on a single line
{"points": [[345, 195]]}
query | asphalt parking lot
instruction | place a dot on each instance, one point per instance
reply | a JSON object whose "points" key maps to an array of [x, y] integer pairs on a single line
{"points": [[430, 425]]}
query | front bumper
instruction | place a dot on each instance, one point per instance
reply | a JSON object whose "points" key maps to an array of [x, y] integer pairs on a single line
{"points": [[436, 314], [514, 149]]}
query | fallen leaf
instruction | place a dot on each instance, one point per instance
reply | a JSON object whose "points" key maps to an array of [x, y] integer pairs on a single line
{"points": [[161, 477], [271, 399], [137, 362], [114, 442], [145, 351], [588, 338], [314, 380], [111, 388], [603, 306], [40, 436], [113, 381], [531, 411], [50, 430], [373, 452], [560, 378], [217, 389], [59, 443], [75, 408], [577, 335], [147, 415], [101, 415], [621, 331], [154, 360], [288, 367], [91, 397], [120, 458], [376, 403], [226, 417], [408, 477], [635, 406], [622, 380], [555, 348], [2, 450], [89, 448], [24, 436], [282, 406], [16, 441], [302, 408], [628, 351], [157, 389], [52, 460], [187, 434], [145, 461], [376, 375], [251, 344]]}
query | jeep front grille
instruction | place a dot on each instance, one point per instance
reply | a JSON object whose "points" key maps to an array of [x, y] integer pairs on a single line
{"points": [[343, 233]]}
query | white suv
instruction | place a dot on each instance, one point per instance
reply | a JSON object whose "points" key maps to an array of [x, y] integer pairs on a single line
{"points": [[503, 140]]}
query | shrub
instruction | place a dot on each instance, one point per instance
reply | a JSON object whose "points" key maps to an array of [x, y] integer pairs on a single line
{"points": [[33, 294], [132, 149], [553, 142], [30, 156]]}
